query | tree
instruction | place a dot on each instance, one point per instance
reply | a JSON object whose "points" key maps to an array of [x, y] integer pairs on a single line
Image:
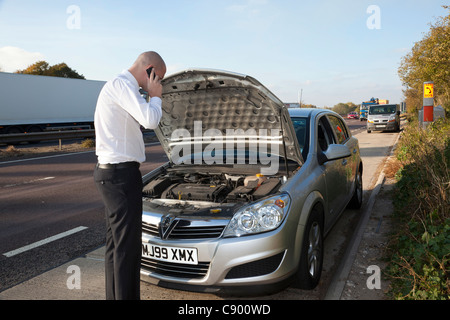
{"points": [[63, 70], [413, 99], [58, 70], [38, 68], [429, 60], [344, 108]]}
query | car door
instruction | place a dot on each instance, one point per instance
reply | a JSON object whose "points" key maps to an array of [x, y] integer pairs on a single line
{"points": [[333, 171], [349, 164]]}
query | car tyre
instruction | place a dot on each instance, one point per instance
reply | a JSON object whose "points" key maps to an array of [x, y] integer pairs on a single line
{"points": [[311, 256], [357, 198]]}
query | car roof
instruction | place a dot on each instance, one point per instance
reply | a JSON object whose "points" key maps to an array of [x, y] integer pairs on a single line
{"points": [[306, 112]]}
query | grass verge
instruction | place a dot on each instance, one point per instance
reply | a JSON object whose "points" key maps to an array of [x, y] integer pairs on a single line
{"points": [[419, 250]]}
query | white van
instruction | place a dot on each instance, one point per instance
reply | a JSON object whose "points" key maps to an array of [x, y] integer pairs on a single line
{"points": [[383, 117]]}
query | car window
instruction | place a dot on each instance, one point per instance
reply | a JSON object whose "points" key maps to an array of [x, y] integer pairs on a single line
{"points": [[301, 131], [324, 134], [339, 129]]}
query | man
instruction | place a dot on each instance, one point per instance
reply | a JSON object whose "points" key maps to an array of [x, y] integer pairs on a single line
{"points": [[120, 112]]}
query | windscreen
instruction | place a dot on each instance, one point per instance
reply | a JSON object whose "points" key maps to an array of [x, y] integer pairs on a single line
{"points": [[383, 109]]}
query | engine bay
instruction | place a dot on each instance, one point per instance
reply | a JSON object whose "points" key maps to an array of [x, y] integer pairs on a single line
{"points": [[211, 187]]}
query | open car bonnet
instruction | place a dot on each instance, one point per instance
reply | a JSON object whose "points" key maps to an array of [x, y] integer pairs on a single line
{"points": [[215, 113]]}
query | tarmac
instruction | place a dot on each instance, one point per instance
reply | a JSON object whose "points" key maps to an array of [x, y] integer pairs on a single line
{"points": [[83, 277]]}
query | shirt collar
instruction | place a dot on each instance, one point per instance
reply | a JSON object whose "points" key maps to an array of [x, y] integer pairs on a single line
{"points": [[130, 77]]}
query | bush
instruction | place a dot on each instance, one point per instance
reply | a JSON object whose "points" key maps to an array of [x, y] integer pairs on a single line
{"points": [[88, 143], [12, 151], [419, 252]]}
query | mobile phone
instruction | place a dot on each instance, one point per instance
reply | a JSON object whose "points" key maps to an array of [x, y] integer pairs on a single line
{"points": [[149, 71]]}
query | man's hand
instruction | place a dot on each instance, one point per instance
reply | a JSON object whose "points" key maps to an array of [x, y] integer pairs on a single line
{"points": [[154, 87]]}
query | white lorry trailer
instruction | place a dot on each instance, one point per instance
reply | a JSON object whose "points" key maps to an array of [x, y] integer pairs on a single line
{"points": [[30, 103]]}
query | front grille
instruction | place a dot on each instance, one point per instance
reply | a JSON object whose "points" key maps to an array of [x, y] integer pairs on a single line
{"points": [[178, 270], [185, 232], [150, 229], [196, 232]]}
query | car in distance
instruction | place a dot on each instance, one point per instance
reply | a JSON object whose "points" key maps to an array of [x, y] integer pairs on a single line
{"points": [[353, 115], [250, 188], [383, 117]]}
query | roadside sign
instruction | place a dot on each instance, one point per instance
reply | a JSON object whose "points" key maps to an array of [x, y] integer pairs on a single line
{"points": [[428, 90], [428, 102]]}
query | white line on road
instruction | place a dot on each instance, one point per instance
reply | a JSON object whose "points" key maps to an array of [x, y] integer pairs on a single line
{"points": [[45, 241], [46, 157], [63, 155], [27, 182]]}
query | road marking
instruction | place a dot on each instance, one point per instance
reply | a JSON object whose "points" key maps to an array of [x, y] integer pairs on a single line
{"points": [[63, 155], [27, 182], [45, 241], [46, 157]]}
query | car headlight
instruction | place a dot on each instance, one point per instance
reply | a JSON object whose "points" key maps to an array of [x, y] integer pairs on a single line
{"points": [[262, 216]]}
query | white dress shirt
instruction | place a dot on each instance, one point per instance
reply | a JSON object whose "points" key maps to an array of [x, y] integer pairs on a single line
{"points": [[119, 113]]}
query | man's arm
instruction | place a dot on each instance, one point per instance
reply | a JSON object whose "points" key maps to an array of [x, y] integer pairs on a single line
{"points": [[148, 114]]}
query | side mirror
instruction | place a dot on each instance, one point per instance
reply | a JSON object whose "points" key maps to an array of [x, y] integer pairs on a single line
{"points": [[334, 152]]}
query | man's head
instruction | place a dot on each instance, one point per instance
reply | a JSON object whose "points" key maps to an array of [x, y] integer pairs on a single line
{"points": [[143, 62]]}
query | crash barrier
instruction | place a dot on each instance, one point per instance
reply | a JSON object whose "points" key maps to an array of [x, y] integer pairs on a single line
{"points": [[14, 138], [45, 136]]}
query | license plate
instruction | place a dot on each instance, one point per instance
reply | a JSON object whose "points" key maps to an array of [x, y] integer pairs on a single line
{"points": [[170, 254], [381, 126]]}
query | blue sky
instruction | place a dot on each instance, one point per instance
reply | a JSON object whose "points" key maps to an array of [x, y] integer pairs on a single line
{"points": [[323, 48]]}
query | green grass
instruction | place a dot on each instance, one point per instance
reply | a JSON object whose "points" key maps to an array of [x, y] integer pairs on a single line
{"points": [[419, 250]]}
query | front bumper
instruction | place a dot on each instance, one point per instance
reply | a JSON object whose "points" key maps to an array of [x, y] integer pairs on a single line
{"points": [[256, 260], [381, 126]]}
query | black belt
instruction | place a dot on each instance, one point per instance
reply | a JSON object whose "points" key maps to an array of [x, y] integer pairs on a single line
{"points": [[123, 165]]}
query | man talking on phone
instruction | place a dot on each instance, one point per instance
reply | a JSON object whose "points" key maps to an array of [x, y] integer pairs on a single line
{"points": [[120, 150]]}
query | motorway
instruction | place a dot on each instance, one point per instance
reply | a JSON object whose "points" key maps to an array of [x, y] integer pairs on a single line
{"points": [[44, 197], [51, 212]]}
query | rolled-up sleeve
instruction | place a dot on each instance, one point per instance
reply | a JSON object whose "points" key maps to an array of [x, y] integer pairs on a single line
{"points": [[148, 114]]}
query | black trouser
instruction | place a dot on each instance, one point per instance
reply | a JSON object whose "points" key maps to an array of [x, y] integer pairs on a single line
{"points": [[121, 190]]}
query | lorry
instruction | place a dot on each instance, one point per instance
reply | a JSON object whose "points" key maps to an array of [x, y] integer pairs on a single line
{"points": [[363, 109], [32, 103], [383, 117]]}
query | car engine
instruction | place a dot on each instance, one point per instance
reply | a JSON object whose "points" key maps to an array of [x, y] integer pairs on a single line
{"points": [[216, 188]]}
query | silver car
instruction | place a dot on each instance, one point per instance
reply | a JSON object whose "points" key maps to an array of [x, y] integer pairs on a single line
{"points": [[250, 189]]}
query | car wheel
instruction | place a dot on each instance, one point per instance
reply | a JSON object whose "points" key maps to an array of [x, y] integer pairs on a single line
{"points": [[369, 131], [311, 257], [357, 199]]}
